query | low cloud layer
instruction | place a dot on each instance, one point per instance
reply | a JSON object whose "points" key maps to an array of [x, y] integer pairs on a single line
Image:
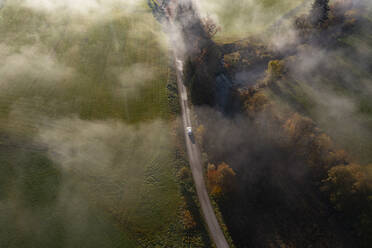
{"points": [[68, 157], [240, 18], [99, 145], [93, 8], [133, 77], [31, 64], [88, 169]]}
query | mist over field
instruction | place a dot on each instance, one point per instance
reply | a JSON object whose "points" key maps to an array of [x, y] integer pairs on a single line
{"points": [[86, 150], [97, 150], [240, 19]]}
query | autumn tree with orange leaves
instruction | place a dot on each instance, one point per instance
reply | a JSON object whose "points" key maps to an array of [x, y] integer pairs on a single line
{"points": [[221, 180]]}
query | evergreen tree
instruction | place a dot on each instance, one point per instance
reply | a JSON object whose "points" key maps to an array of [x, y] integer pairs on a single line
{"points": [[319, 12]]}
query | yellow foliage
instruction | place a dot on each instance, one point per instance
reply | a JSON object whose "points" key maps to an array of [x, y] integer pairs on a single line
{"points": [[276, 69], [256, 103], [187, 220], [211, 167], [346, 180], [298, 126], [225, 169], [220, 179], [336, 157]]}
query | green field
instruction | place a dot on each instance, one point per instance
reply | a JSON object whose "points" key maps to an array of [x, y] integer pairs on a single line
{"points": [[241, 18], [85, 146]]}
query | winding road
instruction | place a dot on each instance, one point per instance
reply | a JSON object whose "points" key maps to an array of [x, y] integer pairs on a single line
{"points": [[196, 165], [195, 161]]}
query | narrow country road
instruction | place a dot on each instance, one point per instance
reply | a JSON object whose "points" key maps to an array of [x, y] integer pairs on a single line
{"points": [[196, 165]]}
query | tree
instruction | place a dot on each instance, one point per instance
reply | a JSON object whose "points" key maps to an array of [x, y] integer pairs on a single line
{"points": [[348, 185], [157, 10], [350, 190], [319, 12], [256, 103], [184, 173], [210, 26], [299, 129], [227, 177], [221, 180], [303, 26], [315, 147], [276, 69], [187, 220], [212, 177]]}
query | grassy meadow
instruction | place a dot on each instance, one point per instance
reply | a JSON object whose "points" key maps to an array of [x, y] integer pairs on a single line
{"points": [[85, 147], [239, 19]]}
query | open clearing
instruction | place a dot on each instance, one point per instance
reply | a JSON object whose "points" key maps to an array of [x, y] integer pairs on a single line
{"points": [[241, 18], [85, 146]]}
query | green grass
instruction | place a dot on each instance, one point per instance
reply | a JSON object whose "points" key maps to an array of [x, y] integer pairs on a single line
{"points": [[241, 18], [33, 216], [95, 54], [85, 146]]}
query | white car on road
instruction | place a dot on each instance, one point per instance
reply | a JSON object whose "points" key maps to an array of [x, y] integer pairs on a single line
{"points": [[189, 131]]}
